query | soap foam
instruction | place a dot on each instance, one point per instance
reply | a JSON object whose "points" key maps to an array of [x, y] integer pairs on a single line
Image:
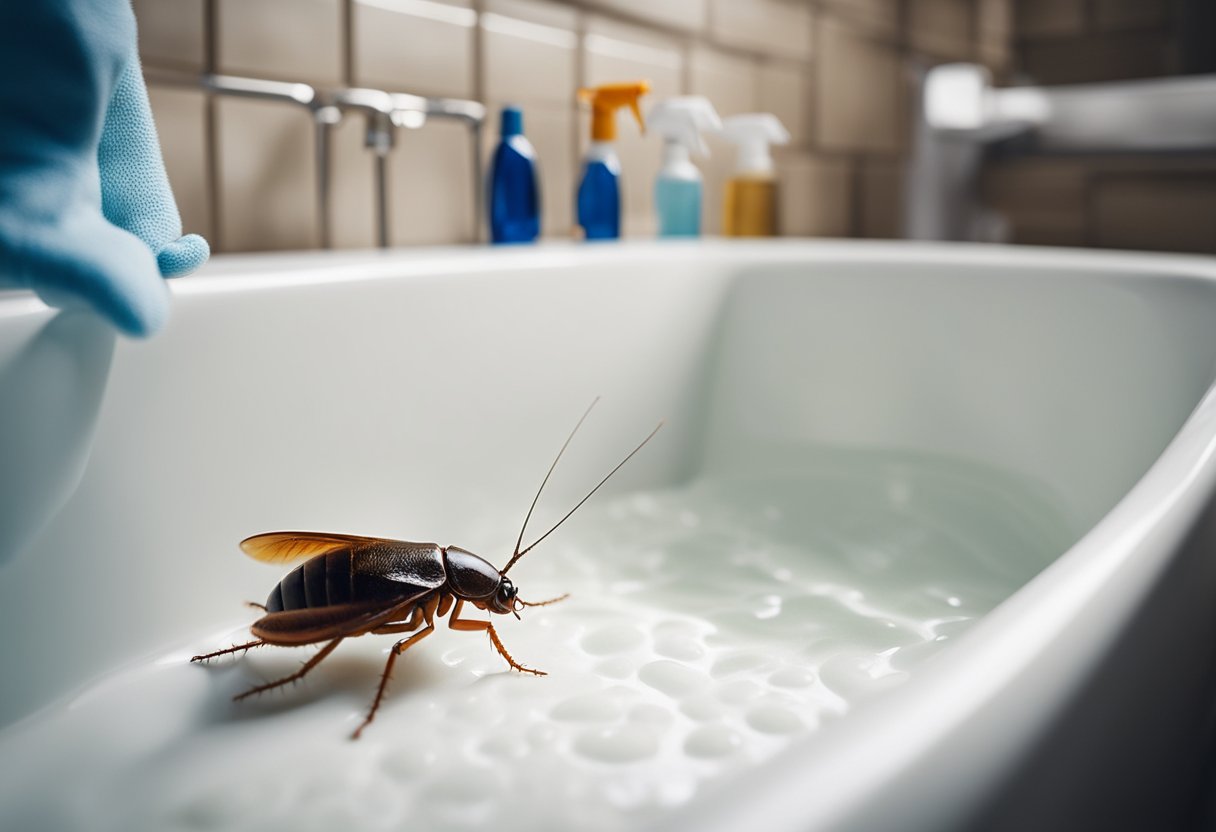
{"points": [[709, 627]]}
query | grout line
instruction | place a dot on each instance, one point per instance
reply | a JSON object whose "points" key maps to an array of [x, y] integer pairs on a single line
{"points": [[348, 42], [211, 154]]}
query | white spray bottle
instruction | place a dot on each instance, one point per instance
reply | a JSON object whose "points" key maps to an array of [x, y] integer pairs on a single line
{"points": [[677, 188], [750, 204]]}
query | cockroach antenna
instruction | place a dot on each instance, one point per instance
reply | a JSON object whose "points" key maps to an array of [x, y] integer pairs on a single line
{"points": [[519, 554]]}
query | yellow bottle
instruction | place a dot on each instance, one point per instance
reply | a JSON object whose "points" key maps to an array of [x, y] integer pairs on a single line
{"points": [[749, 206]]}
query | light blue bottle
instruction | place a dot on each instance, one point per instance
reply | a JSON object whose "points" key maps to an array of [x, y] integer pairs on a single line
{"points": [[677, 199], [677, 189]]}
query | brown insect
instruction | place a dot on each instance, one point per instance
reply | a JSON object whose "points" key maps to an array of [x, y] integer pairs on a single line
{"points": [[351, 586]]}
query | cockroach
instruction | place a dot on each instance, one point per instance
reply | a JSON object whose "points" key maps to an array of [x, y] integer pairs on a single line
{"points": [[350, 586]]}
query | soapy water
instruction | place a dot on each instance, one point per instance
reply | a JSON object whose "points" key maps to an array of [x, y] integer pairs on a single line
{"points": [[709, 627]]}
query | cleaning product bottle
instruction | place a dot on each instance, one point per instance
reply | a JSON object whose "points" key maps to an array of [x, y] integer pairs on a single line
{"points": [[677, 189], [599, 192], [514, 193], [750, 204]]}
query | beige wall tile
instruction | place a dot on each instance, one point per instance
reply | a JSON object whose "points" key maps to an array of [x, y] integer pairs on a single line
{"points": [[815, 196], [679, 14], [1109, 57], [1053, 228], [784, 90], [882, 199], [994, 19], [768, 26], [555, 13], [1130, 14], [526, 60], [267, 178], [730, 81], [994, 29], [875, 17], [1042, 201], [431, 186], [1157, 213], [170, 32], [352, 195], [1033, 185], [181, 125], [294, 40], [552, 134], [1049, 17], [941, 28], [617, 52], [418, 46], [859, 93]]}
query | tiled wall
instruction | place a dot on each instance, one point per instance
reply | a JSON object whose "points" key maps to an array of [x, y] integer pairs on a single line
{"points": [[835, 71], [1134, 202]]}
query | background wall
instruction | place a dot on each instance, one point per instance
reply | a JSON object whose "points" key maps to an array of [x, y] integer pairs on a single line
{"points": [[1137, 202], [839, 73]]}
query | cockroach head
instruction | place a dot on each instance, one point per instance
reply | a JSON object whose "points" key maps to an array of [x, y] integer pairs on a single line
{"points": [[503, 600]]}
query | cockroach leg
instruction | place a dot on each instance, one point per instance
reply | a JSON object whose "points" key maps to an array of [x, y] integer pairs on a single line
{"points": [[233, 649], [408, 626], [427, 612], [474, 625], [299, 674], [255, 605], [398, 648]]}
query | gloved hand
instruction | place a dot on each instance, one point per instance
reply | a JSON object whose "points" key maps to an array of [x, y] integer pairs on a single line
{"points": [[86, 213]]}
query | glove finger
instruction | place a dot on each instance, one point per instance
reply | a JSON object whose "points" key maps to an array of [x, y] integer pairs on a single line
{"points": [[183, 256]]}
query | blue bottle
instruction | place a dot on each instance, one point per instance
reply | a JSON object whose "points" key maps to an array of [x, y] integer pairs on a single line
{"points": [[514, 191], [599, 194]]}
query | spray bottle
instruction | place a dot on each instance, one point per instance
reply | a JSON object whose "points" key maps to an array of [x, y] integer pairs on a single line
{"points": [[750, 204], [599, 192], [677, 189]]}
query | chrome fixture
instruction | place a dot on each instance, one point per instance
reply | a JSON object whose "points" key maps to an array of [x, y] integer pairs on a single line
{"points": [[961, 115], [285, 92], [384, 113]]}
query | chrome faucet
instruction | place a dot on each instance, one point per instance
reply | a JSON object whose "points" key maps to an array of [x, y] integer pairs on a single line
{"points": [[284, 92], [961, 114], [384, 113]]}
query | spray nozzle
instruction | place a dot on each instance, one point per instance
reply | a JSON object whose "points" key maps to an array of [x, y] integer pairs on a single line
{"points": [[683, 118], [606, 100], [754, 132]]}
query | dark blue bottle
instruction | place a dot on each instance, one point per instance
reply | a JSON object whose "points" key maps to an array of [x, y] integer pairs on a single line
{"points": [[599, 194], [514, 192]]}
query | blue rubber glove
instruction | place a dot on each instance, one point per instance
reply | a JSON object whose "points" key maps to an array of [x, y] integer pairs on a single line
{"points": [[87, 217]]}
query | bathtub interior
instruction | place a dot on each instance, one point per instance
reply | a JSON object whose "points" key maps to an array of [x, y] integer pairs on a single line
{"points": [[1013, 405]]}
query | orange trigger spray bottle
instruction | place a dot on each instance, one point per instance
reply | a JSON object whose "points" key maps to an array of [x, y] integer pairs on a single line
{"points": [[599, 191]]}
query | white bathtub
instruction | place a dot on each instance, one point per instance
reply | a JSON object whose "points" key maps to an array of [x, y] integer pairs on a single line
{"points": [[421, 394]]}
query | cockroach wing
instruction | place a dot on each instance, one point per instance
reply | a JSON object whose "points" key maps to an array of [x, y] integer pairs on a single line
{"points": [[284, 547], [298, 627]]}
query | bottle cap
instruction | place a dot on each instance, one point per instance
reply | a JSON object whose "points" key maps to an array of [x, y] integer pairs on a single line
{"points": [[753, 133], [682, 119], [512, 121], [606, 99]]}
